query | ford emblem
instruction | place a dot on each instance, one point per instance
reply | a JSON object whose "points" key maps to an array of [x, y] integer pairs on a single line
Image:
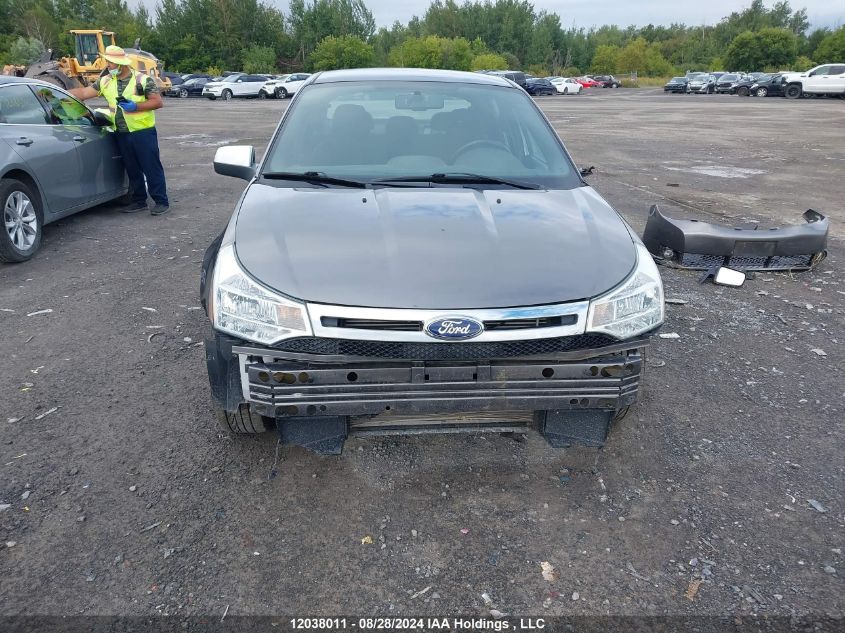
{"points": [[454, 328]]}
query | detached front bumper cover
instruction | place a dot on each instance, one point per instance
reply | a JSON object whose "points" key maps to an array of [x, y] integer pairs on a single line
{"points": [[702, 246]]}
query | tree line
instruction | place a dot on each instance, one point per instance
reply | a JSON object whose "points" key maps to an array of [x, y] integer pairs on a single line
{"points": [[255, 36]]}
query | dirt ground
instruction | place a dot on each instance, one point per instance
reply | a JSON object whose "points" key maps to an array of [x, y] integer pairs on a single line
{"points": [[721, 494]]}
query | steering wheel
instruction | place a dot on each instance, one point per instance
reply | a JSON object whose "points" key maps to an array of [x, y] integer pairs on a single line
{"points": [[479, 143]]}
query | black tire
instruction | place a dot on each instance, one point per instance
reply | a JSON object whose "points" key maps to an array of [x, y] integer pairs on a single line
{"points": [[10, 192], [793, 91], [762, 92], [281, 93], [212, 97], [183, 93], [227, 94], [742, 91], [241, 422], [262, 94]]}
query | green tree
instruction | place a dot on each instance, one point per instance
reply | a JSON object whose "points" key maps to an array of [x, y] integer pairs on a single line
{"points": [[643, 58], [346, 51], [489, 61], [259, 59], [769, 47], [605, 60], [803, 63], [744, 52], [433, 52], [24, 51], [832, 48], [311, 23], [780, 46]]}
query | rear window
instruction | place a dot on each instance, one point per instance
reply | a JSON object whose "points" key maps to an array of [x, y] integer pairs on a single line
{"points": [[18, 105], [386, 129]]}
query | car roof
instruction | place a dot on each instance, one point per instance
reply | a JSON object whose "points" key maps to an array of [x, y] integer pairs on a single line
{"points": [[7, 79], [409, 74]]}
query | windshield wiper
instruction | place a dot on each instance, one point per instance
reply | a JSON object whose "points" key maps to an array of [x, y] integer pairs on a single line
{"points": [[313, 177], [459, 177]]}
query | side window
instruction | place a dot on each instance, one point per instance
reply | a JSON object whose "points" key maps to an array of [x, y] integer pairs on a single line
{"points": [[64, 109], [823, 70], [19, 105], [837, 70]]}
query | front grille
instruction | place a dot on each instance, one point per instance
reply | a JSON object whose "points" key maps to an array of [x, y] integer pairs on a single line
{"points": [[372, 324], [444, 351], [531, 324], [747, 262]]}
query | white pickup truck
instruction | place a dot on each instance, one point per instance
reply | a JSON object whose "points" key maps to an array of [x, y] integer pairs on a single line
{"points": [[828, 79]]}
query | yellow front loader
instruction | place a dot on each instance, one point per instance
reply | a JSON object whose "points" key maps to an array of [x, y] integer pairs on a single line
{"points": [[89, 64]]}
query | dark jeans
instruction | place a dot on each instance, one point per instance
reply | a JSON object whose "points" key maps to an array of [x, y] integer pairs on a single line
{"points": [[140, 156]]}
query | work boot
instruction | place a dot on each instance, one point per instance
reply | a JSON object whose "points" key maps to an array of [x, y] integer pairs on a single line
{"points": [[134, 207], [160, 209]]}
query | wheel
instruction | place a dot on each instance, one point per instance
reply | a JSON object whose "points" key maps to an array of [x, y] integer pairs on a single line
{"points": [[742, 91], [262, 94], [762, 92], [566, 91], [281, 93], [183, 93], [793, 91], [22, 220], [227, 94], [212, 97], [241, 422]]}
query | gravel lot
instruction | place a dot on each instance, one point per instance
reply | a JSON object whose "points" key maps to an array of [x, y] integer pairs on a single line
{"points": [[720, 494]]}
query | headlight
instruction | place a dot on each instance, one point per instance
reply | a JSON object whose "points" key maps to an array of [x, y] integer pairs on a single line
{"points": [[242, 307], [634, 307]]}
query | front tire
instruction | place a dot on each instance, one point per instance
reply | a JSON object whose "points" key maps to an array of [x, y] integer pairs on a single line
{"points": [[212, 97], [183, 94], [22, 220], [227, 95], [793, 91], [762, 92], [281, 93], [743, 91], [241, 422], [262, 94]]}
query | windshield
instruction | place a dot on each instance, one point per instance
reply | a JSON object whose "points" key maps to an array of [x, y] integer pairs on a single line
{"points": [[370, 131], [232, 78], [729, 77], [678, 80]]}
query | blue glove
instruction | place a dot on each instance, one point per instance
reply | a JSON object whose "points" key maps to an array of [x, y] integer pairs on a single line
{"points": [[128, 106]]}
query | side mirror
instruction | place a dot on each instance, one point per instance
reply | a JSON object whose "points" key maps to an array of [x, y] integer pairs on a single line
{"points": [[100, 119], [237, 161], [729, 277]]}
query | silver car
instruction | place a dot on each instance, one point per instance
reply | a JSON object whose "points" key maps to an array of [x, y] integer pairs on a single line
{"points": [[56, 159]]}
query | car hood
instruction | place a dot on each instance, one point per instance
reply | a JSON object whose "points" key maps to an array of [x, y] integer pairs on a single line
{"points": [[432, 248]]}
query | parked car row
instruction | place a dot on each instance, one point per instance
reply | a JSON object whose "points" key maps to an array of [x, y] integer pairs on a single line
{"points": [[827, 79]]}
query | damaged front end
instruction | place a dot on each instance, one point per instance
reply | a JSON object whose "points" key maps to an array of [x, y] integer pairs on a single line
{"points": [[696, 245]]}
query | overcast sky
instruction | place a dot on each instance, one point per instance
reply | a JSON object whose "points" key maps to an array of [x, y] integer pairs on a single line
{"points": [[589, 13]]}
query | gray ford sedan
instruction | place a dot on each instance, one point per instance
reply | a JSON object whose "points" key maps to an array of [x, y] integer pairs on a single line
{"points": [[417, 252], [56, 159]]}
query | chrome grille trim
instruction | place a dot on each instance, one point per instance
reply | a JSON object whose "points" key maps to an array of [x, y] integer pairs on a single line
{"points": [[319, 311]]}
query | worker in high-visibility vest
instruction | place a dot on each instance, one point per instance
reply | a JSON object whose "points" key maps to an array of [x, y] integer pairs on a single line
{"points": [[133, 97]]}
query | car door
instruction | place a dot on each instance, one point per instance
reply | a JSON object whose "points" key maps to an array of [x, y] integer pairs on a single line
{"points": [[48, 151], [837, 78], [817, 80], [101, 167], [239, 87], [253, 84], [197, 86]]}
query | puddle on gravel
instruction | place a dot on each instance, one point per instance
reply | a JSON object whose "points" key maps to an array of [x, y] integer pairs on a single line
{"points": [[718, 171]]}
